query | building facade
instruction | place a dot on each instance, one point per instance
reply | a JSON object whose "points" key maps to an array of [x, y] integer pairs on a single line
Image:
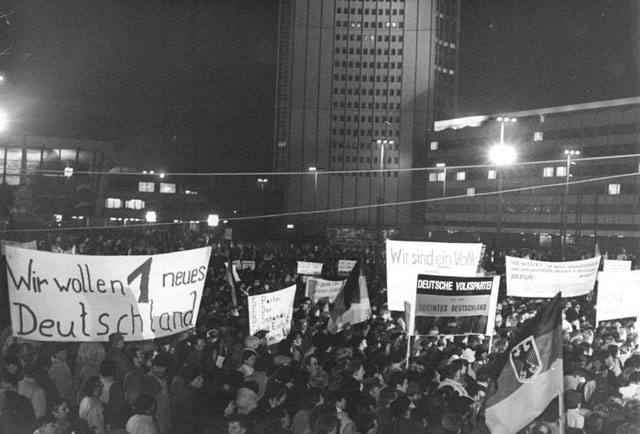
{"points": [[576, 173], [359, 85]]}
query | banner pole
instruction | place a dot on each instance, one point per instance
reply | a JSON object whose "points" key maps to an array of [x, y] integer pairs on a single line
{"points": [[561, 411], [406, 366]]}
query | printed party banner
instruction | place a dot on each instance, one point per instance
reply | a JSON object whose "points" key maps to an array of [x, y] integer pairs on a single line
{"points": [[407, 259], [618, 295], [86, 298], [310, 268], [455, 305], [318, 289], [534, 279], [272, 312], [345, 266]]}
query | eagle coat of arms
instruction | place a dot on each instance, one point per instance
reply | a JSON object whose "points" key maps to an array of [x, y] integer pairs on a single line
{"points": [[525, 360]]}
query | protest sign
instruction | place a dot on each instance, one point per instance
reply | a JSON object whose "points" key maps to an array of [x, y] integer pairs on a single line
{"points": [[237, 264], [248, 265], [86, 298], [454, 305], [615, 265], [31, 245], [345, 266], [407, 259], [272, 312], [618, 295], [534, 279], [310, 268], [319, 288]]}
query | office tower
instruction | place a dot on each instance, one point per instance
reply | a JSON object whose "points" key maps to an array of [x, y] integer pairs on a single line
{"points": [[359, 86]]}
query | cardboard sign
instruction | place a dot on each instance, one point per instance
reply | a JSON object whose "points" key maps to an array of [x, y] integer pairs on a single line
{"points": [[614, 265], [345, 266], [618, 295], [310, 268], [272, 312], [319, 288], [248, 265], [455, 305], [536, 279], [407, 259], [78, 298]]}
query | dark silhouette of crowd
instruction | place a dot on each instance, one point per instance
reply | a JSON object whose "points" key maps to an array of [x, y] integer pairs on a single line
{"points": [[218, 378]]}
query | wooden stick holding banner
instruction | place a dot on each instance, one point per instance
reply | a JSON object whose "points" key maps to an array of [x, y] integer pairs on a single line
{"points": [[408, 312]]}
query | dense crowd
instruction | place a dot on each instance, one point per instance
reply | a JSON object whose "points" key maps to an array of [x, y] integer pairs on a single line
{"points": [[218, 378]]}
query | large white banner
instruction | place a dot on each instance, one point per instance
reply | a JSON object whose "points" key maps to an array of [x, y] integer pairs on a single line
{"points": [[272, 312], [345, 266], [86, 298], [535, 279], [618, 295], [310, 268], [407, 259], [319, 288]]}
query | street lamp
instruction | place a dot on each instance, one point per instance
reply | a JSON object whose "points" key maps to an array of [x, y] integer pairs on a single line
{"points": [[383, 143], [262, 182], [443, 166], [565, 212], [314, 169], [501, 155]]}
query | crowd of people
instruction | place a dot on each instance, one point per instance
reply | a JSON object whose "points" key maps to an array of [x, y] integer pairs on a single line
{"points": [[364, 379]]}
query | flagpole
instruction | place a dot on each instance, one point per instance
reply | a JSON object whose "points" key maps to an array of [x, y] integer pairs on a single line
{"points": [[406, 366], [561, 411]]}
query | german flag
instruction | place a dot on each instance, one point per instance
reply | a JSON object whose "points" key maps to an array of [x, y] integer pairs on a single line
{"points": [[529, 375]]}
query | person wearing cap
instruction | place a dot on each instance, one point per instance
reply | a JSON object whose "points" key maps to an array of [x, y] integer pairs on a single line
{"points": [[246, 401], [116, 344], [155, 384]]}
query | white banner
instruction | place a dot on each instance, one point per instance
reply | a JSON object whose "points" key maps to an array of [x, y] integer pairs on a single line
{"points": [[319, 288], [31, 245], [86, 298], [407, 259], [310, 268], [618, 295], [345, 266], [615, 265], [535, 279], [250, 265], [272, 312]]}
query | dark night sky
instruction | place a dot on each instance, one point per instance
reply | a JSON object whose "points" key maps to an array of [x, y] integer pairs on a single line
{"points": [[161, 74]]}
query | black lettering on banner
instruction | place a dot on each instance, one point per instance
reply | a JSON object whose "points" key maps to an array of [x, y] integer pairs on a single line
{"points": [[143, 271]]}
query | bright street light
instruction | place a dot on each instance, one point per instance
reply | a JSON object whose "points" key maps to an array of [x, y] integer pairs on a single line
{"points": [[213, 220], [151, 217], [565, 214], [4, 120], [502, 155]]}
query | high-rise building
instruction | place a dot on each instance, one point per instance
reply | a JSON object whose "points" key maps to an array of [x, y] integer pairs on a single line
{"points": [[359, 85]]}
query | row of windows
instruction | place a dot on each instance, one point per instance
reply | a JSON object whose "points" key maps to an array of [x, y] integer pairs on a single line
{"points": [[349, 131], [365, 105], [116, 203], [367, 11], [367, 145], [370, 51], [150, 187], [369, 38], [370, 92], [388, 174], [376, 119], [445, 70], [371, 24], [346, 159], [351, 64], [370, 78]]}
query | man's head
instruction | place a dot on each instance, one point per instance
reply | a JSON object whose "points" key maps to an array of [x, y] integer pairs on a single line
{"points": [[247, 398], [159, 364], [59, 353], [108, 368], [116, 340], [240, 424], [145, 404], [249, 357], [399, 382], [12, 364]]}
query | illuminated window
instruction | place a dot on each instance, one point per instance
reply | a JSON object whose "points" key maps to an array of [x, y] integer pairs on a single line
{"points": [[561, 171], [135, 204], [113, 203], [433, 146], [166, 187], [441, 176], [537, 136], [471, 191], [461, 176], [492, 174], [146, 187], [433, 177], [547, 172], [614, 188]]}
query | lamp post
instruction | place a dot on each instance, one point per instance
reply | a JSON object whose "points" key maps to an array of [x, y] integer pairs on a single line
{"points": [[314, 169], [444, 192], [565, 198], [383, 143], [501, 155]]}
